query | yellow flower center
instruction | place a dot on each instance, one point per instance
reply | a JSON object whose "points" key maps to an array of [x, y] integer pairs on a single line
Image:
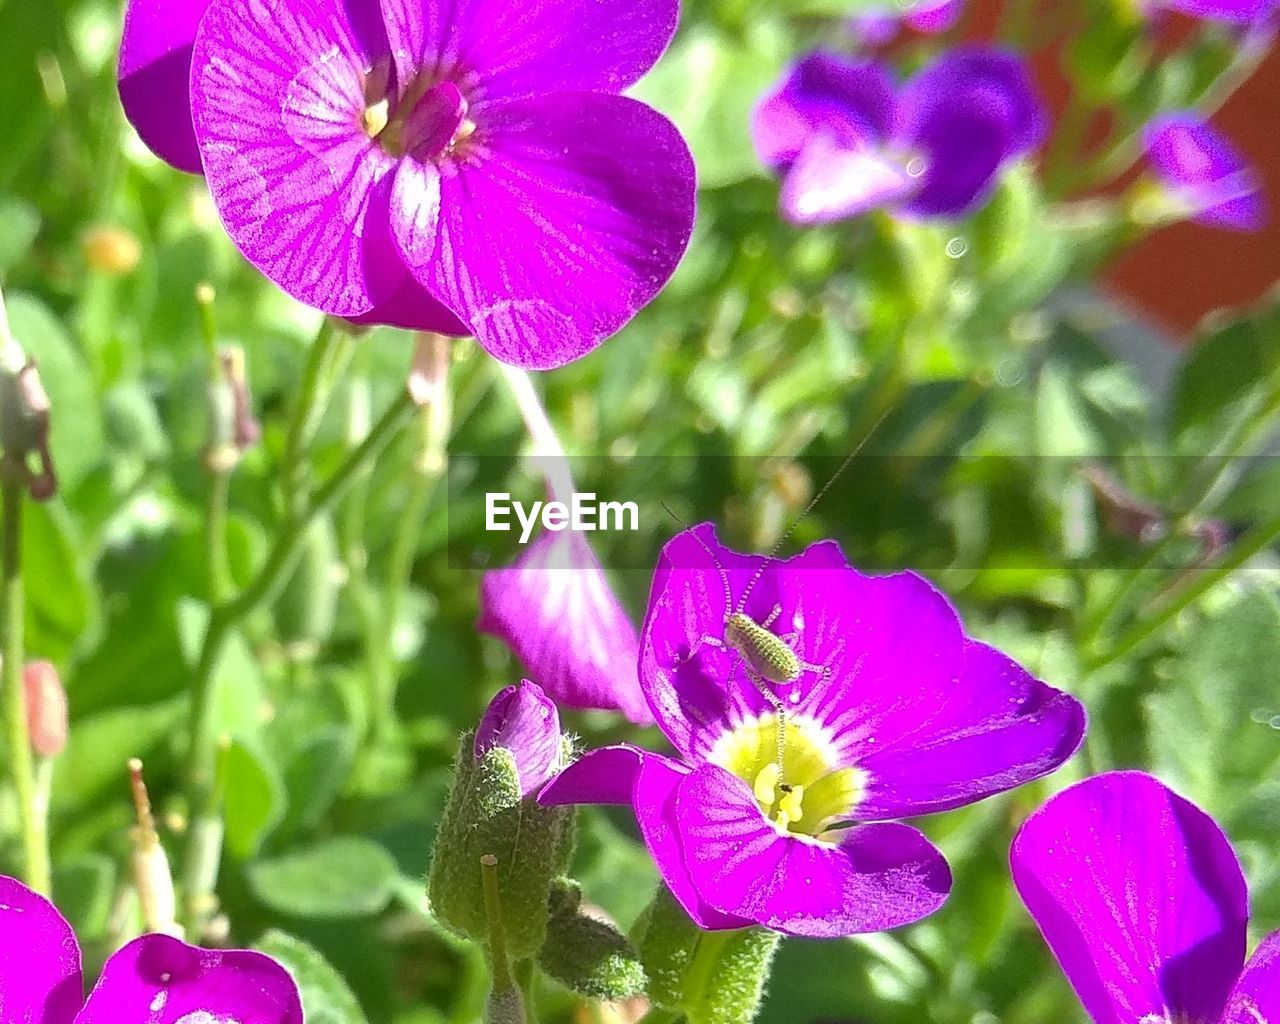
{"points": [[792, 772]]}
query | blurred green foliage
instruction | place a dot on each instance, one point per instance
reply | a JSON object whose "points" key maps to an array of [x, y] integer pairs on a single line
{"points": [[781, 347]]}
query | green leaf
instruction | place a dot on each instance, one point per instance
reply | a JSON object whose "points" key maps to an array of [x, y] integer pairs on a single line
{"points": [[326, 997], [74, 415], [255, 801], [709, 84], [19, 225], [1227, 379], [342, 877], [60, 603], [239, 696], [84, 889], [315, 776], [1211, 735], [99, 747]]}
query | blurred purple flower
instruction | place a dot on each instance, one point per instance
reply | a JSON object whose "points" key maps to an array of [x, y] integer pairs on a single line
{"points": [[1204, 173], [846, 141], [893, 713], [555, 609], [523, 720], [1140, 897], [464, 167], [156, 978], [877, 27], [1243, 12]]}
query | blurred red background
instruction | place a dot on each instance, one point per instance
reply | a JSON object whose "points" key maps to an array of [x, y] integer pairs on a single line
{"points": [[1179, 274]]}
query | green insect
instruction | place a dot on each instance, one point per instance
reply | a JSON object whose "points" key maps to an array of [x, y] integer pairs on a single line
{"points": [[768, 658]]}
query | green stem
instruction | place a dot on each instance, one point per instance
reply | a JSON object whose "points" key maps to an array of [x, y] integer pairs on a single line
{"points": [[35, 843], [221, 585], [1142, 631], [305, 417], [203, 852], [499, 964], [428, 467]]}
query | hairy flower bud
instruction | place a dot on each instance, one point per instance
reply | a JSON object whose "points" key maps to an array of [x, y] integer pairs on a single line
{"points": [[586, 953], [491, 811], [46, 708], [714, 977]]}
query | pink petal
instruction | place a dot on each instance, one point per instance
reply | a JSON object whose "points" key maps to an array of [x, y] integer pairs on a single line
{"points": [[277, 96], [1256, 998], [160, 980], [1140, 897], [874, 878], [830, 181], [564, 217], [555, 608], [40, 979], [154, 76], [999, 727], [519, 50]]}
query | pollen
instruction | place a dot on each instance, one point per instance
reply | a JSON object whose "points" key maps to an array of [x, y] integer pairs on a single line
{"points": [[375, 117], [806, 789]]}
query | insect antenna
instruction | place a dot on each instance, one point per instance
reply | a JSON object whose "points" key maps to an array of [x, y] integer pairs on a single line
{"points": [[724, 576], [848, 460]]}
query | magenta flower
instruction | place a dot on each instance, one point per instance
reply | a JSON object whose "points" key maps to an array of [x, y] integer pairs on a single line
{"points": [[785, 820], [156, 978], [556, 610], [463, 166], [879, 26], [846, 141], [1204, 173], [1243, 12], [523, 720], [1143, 902]]}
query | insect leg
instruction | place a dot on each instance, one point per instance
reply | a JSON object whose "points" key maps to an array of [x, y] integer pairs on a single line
{"points": [[707, 640], [780, 711]]}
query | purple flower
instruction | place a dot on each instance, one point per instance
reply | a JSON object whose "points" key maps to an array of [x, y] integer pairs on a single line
{"points": [[777, 810], [1204, 173], [465, 167], [877, 27], [555, 609], [846, 141], [156, 978], [1242, 12], [1142, 900], [524, 720]]}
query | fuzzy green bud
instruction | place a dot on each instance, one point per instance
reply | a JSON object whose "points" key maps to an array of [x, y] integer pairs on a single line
{"points": [[713, 977], [492, 811], [586, 954]]}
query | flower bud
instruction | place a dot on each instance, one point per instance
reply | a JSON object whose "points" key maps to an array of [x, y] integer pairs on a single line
{"points": [[151, 872], [111, 249], [491, 812], [587, 954], [46, 708], [713, 977]]}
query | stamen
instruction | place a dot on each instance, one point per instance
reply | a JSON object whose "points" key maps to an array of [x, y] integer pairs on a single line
{"points": [[790, 806], [765, 787], [375, 117]]}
